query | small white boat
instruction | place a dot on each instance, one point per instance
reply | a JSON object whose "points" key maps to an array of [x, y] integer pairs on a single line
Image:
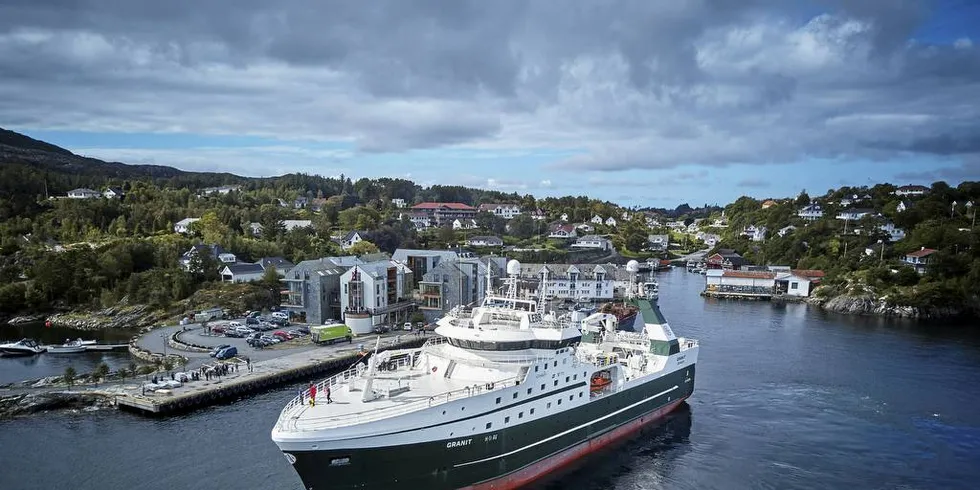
{"points": [[23, 347], [69, 347]]}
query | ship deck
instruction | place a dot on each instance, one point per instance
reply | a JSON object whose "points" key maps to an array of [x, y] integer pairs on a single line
{"points": [[401, 393]]}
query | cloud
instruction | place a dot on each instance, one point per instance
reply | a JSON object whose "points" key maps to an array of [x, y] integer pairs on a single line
{"points": [[969, 170], [617, 86]]}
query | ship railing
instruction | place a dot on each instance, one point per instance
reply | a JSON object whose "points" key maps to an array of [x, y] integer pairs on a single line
{"points": [[339, 378], [496, 362], [688, 343], [317, 423]]}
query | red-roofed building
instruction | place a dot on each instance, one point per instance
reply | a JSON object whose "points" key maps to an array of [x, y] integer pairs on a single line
{"points": [[920, 259], [439, 213]]}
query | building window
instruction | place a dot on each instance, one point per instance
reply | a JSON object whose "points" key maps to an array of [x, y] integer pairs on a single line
{"points": [[542, 387], [566, 379], [559, 401], [532, 411], [529, 391], [556, 382], [571, 397], [580, 394], [549, 404], [794, 285], [498, 400], [515, 395], [506, 420], [489, 424], [520, 415]]}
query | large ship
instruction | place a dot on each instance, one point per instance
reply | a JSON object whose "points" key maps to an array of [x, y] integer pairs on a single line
{"points": [[505, 394]]}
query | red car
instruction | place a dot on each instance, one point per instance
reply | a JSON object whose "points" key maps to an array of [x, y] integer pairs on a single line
{"points": [[282, 335]]}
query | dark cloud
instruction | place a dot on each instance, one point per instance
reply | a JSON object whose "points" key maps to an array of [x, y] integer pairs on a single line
{"points": [[633, 84]]}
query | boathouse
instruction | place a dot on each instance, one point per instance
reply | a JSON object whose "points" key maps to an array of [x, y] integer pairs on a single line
{"points": [[739, 284]]}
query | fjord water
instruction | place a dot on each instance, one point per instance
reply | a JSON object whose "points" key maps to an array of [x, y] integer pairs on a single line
{"points": [[14, 369], [787, 397]]}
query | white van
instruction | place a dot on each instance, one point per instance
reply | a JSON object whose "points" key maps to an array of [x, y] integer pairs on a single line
{"points": [[407, 326], [280, 314], [235, 325]]}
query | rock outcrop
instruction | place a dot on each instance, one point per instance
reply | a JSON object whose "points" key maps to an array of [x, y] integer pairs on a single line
{"points": [[870, 304], [14, 405], [115, 317]]}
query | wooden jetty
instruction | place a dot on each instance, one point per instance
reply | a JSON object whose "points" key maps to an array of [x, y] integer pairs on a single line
{"points": [[265, 375]]}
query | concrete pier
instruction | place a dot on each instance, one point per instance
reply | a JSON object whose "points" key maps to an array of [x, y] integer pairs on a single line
{"points": [[276, 368]]}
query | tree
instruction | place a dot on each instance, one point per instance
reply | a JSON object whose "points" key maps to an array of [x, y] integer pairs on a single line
{"points": [[69, 376], [362, 247], [803, 199], [101, 371], [168, 364], [271, 277], [211, 228], [447, 235], [522, 226]]}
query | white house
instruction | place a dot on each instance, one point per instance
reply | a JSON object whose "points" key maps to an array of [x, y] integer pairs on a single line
{"points": [[113, 193], [564, 217], [464, 224], [562, 231], [920, 259], [796, 282], [911, 190], [350, 239], [626, 215], [710, 239], [901, 206], [894, 234], [676, 225], [183, 226], [693, 228], [592, 241], [658, 242], [755, 233], [786, 230], [584, 282], [83, 193], [811, 212], [854, 214], [242, 272], [596, 219], [398, 202], [484, 241], [292, 224], [585, 228], [505, 211], [538, 215], [610, 221]]}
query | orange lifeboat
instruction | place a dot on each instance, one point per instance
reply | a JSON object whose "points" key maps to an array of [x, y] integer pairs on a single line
{"points": [[599, 381]]}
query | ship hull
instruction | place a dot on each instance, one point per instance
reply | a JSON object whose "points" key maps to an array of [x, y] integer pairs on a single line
{"points": [[503, 459]]}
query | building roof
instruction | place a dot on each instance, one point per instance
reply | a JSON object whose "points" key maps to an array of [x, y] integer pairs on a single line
{"points": [[241, 268], [438, 205], [565, 228], [490, 206], [591, 238], [350, 235], [808, 273], [115, 190], [186, 221], [279, 263], [921, 253], [82, 190], [749, 274]]}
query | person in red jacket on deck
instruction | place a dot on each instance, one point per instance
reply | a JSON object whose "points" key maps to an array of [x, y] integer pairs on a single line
{"points": [[312, 395]]}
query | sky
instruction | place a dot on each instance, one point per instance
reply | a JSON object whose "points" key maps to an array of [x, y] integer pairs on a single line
{"points": [[644, 103]]}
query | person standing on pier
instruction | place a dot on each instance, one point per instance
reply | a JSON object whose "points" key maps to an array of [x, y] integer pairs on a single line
{"points": [[312, 395], [327, 388]]}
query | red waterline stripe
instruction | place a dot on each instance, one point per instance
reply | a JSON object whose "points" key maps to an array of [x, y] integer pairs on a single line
{"points": [[555, 462]]}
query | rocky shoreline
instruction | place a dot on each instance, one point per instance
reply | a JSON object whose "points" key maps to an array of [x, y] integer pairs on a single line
{"points": [[109, 318], [872, 305], [21, 404]]}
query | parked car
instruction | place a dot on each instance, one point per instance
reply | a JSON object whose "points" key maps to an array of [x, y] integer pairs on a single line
{"points": [[251, 320], [234, 334], [280, 314], [282, 335], [303, 330], [253, 314], [226, 353], [382, 329], [217, 349], [407, 326]]}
